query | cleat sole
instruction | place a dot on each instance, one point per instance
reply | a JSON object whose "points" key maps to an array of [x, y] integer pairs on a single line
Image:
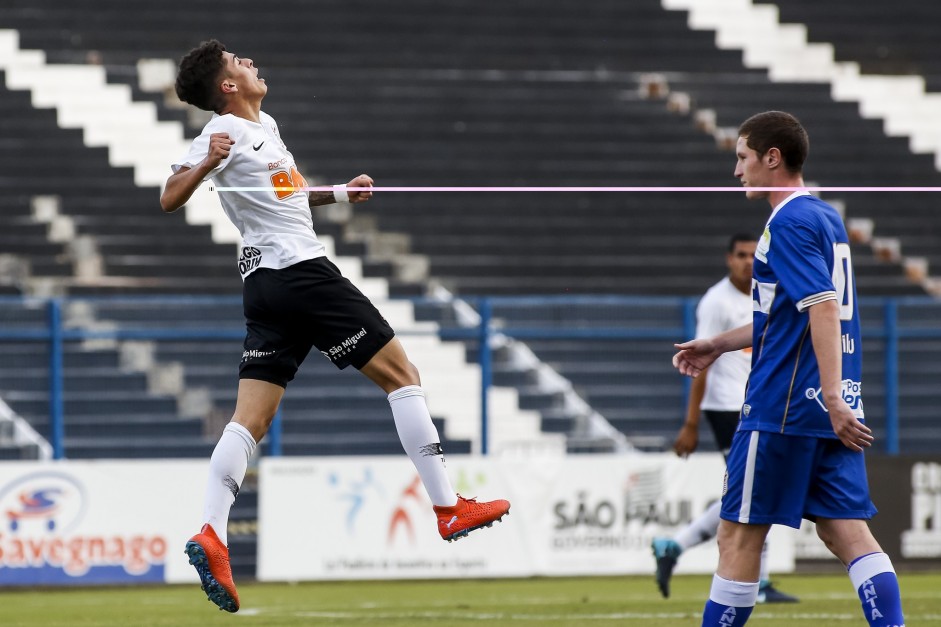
{"points": [[213, 589], [464, 532]]}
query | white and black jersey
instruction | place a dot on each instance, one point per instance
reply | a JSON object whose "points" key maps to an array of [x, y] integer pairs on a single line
{"points": [[274, 219]]}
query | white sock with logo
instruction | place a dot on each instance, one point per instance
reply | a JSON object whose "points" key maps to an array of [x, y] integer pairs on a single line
{"points": [[227, 468], [421, 442]]}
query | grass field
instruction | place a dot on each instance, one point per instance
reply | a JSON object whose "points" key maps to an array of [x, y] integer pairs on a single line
{"points": [[596, 602]]}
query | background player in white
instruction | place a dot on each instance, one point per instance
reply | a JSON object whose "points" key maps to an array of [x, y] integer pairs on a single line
{"points": [[798, 452], [294, 299], [725, 306]]}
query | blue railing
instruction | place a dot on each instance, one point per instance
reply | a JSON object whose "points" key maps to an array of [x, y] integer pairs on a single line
{"points": [[886, 322]]}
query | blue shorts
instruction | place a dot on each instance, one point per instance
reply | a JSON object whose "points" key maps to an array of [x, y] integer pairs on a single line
{"points": [[775, 479]]}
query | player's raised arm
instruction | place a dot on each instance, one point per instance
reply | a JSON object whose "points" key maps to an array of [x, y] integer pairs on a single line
{"points": [[181, 185], [697, 355]]}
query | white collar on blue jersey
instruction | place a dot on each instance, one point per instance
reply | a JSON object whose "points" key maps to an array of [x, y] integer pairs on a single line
{"points": [[800, 192]]}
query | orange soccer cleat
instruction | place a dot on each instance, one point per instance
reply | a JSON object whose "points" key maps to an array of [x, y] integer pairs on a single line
{"points": [[466, 515], [211, 559]]}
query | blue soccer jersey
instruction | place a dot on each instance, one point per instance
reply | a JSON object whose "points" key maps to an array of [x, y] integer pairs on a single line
{"points": [[803, 258]]}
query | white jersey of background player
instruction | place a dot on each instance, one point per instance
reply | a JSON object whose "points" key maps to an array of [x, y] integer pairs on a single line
{"points": [[722, 308]]}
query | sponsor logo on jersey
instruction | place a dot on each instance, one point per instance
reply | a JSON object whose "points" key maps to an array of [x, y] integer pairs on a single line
{"points": [[257, 147], [852, 394], [274, 165], [849, 344], [249, 259], [764, 245]]}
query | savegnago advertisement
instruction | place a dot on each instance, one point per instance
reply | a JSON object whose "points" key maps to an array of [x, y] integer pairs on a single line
{"points": [[359, 518], [93, 522]]}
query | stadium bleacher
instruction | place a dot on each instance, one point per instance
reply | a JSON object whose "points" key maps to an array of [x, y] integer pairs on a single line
{"points": [[860, 33], [505, 89], [20, 235], [142, 251], [508, 98]]}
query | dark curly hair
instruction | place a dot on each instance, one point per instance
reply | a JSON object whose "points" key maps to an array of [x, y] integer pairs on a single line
{"points": [[199, 72], [776, 129]]}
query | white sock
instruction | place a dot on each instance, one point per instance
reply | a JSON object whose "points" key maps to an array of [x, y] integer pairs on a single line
{"points": [[765, 575], [421, 442], [703, 528], [227, 468], [730, 602]]}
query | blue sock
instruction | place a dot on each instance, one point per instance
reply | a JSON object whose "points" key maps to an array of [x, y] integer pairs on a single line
{"points": [[730, 603], [878, 589]]}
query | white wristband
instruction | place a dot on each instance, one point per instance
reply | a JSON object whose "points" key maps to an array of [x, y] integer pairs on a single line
{"points": [[340, 194]]}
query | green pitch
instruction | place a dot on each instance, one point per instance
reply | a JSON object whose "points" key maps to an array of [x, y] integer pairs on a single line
{"points": [[594, 602]]}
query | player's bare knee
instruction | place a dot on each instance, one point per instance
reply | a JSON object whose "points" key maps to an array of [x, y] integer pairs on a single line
{"points": [[257, 425], [826, 536], [728, 542], [402, 374], [410, 375]]}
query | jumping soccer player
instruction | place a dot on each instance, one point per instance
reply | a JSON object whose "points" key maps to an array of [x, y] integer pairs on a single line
{"points": [[798, 452], [294, 299]]}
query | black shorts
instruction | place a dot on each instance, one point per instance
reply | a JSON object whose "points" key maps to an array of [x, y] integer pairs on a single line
{"points": [[724, 425], [308, 304]]}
